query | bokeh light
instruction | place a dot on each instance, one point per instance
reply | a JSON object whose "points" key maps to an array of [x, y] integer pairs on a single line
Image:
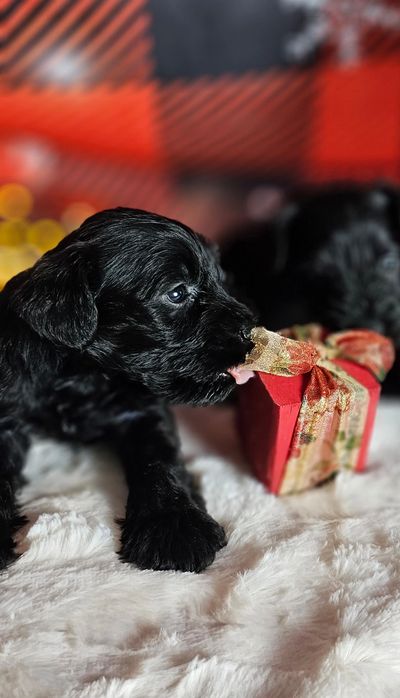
{"points": [[13, 233], [15, 259], [22, 240], [75, 214], [16, 201], [45, 233]]}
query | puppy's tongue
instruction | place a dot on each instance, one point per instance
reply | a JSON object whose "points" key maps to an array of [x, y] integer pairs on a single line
{"points": [[241, 374]]}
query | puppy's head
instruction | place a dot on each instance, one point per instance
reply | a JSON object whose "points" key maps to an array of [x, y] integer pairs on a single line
{"points": [[357, 278], [143, 296], [351, 258]]}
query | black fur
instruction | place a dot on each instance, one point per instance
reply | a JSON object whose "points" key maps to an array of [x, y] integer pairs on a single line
{"points": [[331, 256], [95, 342]]}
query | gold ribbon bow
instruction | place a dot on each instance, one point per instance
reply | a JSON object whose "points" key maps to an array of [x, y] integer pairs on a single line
{"points": [[330, 426]]}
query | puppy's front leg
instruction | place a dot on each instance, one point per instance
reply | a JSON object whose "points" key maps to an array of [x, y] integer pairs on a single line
{"points": [[13, 448], [166, 527]]}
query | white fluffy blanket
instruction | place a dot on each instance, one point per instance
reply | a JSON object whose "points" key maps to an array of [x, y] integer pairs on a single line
{"points": [[303, 603]]}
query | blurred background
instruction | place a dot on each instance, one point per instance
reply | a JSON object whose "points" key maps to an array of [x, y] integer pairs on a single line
{"points": [[204, 110]]}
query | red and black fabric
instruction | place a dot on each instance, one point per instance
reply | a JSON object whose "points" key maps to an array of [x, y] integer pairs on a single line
{"points": [[123, 98]]}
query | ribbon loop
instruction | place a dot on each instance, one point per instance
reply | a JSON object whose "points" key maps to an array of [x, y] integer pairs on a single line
{"points": [[298, 349], [279, 355]]}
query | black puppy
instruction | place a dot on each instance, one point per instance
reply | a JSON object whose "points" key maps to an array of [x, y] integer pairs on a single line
{"points": [[127, 314], [331, 256]]}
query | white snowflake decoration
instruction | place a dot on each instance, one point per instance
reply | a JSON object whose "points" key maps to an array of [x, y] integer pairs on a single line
{"points": [[341, 23]]}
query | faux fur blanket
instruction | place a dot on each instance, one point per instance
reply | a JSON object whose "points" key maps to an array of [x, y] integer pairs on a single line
{"points": [[303, 603]]}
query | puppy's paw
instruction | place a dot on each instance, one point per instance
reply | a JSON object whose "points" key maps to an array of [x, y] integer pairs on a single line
{"points": [[184, 540]]}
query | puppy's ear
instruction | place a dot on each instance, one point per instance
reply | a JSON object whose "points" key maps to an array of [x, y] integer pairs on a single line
{"points": [[55, 299]]}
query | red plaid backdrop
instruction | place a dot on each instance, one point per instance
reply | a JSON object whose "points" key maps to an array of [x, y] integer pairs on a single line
{"points": [[115, 102]]}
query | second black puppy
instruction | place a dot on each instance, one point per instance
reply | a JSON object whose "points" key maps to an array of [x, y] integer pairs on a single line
{"points": [[127, 314], [331, 256]]}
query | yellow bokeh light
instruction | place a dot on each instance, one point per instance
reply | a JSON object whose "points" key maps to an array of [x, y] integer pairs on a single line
{"points": [[23, 241], [15, 259], [13, 233], [16, 201], [75, 214], [45, 233]]}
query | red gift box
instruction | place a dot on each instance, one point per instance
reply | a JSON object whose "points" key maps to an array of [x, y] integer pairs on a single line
{"points": [[268, 413]]}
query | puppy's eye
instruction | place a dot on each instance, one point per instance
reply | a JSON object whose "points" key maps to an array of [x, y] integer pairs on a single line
{"points": [[178, 294]]}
